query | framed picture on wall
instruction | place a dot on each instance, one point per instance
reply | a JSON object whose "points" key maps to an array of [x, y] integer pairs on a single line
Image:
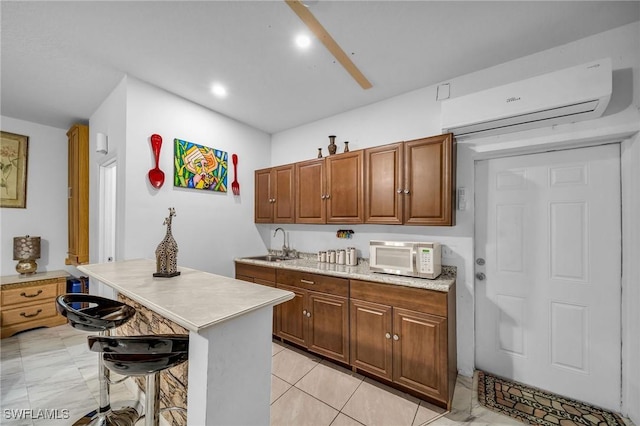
{"points": [[13, 168], [199, 167]]}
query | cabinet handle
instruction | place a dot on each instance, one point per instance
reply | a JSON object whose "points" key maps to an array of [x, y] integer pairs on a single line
{"points": [[406, 191], [304, 312], [323, 196], [328, 196], [307, 282], [388, 335], [399, 191], [308, 314], [22, 314], [23, 294], [396, 337]]}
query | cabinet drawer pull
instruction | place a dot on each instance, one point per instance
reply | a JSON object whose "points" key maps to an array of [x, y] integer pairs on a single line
{"points": [[308, 314], [388, 335], [304, 312], [23, 294], [406, 191], [307, 282], [22, 314], [396, 337]]}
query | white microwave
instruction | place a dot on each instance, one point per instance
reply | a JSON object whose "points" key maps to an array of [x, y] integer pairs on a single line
{"points": [[413, 259]]}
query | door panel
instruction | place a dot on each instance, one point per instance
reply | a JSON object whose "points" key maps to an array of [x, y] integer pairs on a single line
{"points": [[290, 319], [329, 325], [548, 313], [310, 189], [371, 349]]}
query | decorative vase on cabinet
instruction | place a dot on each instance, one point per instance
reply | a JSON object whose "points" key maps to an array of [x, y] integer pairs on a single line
{"points": [[332, 145]]}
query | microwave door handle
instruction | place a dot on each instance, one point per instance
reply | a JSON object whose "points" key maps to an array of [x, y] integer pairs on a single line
{"points": [[414, 256]]}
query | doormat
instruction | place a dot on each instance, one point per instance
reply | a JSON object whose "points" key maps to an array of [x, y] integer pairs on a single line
{"points": [[537, 407]]}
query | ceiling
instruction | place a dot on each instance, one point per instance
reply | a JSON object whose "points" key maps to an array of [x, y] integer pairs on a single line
{"points": [[60, 60]]}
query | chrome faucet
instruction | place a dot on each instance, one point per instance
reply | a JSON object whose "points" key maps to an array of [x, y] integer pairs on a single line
{"points": [[285, 250]]}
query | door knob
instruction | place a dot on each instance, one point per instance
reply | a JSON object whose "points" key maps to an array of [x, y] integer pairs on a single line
{"points": [[396, 337], [480, 261], [388, 335], [480, 276]]}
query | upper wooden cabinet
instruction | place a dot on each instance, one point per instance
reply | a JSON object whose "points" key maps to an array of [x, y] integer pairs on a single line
{"points": [[330, 189], [411, 183], [274, 197], [78, 195]]}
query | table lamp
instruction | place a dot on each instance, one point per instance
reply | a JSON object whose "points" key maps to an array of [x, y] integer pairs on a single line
{"points": [[26, 250]]}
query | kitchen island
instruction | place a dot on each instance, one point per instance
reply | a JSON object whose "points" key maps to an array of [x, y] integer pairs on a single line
{"points": [[229, 324]]}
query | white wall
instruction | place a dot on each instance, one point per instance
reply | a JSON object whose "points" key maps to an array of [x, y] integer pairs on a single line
{"points": [[46, 211], [417, 114], [210, 228]]}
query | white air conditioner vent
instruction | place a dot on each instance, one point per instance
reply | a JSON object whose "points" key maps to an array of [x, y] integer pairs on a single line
{"points": [[573, 94]]}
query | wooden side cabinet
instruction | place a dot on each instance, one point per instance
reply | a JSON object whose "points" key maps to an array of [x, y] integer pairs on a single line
{"points": [[29, 301], [274, 196], [78, 195]]}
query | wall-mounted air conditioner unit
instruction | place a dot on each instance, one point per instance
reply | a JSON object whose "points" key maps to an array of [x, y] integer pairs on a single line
{"points": [[568, 95]]}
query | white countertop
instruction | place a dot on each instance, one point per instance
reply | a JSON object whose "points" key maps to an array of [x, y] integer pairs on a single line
{"points": [[360, 272], [194, 299]]}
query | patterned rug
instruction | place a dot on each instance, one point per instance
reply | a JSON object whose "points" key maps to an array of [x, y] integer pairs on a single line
{"points": [[537, 407]]}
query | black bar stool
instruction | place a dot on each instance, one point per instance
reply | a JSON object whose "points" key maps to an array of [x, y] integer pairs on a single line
{"points": [[145, 355], [101, 315]]}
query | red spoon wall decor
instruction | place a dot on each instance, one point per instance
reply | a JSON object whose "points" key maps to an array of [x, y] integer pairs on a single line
{"points": [[156, 176]]}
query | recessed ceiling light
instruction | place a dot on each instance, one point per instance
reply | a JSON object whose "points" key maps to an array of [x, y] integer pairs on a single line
{"points": [[219, 90], [303, 41]]}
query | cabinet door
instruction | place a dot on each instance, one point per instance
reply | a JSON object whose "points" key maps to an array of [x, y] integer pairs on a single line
{"points": [[429, 181], [290, 319], [78, 197], [328, 325], [263, 212], [283, 194], [310, 192], [384, 184], [345, 195], [371, 343], [420, 352]]}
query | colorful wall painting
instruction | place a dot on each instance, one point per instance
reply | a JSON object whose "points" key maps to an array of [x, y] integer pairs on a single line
{"points": [[199, 167]]}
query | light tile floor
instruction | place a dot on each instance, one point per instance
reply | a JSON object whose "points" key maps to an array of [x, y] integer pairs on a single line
{"points": [[52, 368]]}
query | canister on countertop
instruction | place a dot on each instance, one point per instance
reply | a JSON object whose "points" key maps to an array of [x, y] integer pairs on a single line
{"points": [[323, 256], [331, 254], [341, 257], [351, 256]]}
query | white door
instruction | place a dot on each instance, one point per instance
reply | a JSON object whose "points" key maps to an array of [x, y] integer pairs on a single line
{"points": [[107, 224], [548, 306]]}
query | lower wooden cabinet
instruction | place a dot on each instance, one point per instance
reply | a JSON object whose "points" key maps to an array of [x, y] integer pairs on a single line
{"points": [[317, 318], [259, 275], [406, 336]]}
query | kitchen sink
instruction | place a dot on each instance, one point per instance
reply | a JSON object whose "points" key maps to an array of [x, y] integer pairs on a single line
{"points": [[271, 258]]}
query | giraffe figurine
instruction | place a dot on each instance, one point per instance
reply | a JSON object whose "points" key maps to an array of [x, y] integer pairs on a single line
{"points": [[167, 252]]}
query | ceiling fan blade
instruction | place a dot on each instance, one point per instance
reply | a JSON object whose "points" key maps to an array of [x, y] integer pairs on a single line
{"points": [[321, 33]]}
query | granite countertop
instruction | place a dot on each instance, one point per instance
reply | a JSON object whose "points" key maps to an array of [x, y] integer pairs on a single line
{"points": [[194, 299], [309, 263]]}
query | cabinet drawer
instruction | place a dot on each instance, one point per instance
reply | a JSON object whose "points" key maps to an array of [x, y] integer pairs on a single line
{"points": [[417, 299], [30, 294], [264, 273], [28, 313], [314, 282]]}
